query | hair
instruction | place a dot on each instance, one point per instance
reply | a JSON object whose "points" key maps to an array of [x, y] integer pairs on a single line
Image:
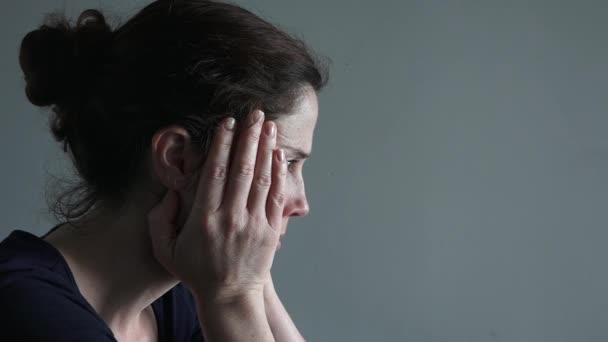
{"points": [[180, 62]]}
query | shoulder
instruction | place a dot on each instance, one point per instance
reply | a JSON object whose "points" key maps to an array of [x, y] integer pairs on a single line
{"points": [[36, 306], [37, 302]]}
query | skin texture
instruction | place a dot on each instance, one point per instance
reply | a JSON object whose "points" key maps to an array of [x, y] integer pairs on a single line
{"points": [[111, 244]]}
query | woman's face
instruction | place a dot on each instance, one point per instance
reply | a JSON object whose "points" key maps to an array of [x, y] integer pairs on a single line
{"points": [[295, 137]]}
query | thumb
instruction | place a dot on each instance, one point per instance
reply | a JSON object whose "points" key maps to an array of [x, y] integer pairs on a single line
{"points": [[162, 230]]}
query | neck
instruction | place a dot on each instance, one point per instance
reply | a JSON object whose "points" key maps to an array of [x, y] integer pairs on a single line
{"points": [[113, 264]]}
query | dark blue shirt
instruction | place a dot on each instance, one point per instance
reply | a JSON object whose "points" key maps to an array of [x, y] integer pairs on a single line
{"points": [[40, 301]]}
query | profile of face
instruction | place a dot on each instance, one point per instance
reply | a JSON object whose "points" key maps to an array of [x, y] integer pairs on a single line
{"points": [[295, 136], [295, 133]]}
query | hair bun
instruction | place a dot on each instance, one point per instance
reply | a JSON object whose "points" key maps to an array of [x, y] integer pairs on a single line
{"points": [[44, 59], [57, 59]]}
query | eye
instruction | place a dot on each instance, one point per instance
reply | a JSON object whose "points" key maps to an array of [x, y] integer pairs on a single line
{"points": [[291, 163]]}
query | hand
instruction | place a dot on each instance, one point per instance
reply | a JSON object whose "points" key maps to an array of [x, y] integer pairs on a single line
{"points": [[228, 242]]}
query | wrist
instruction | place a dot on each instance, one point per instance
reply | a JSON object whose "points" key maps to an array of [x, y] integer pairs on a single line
{"points": [[231, 315], [280, 323], [269, 288], [228, 294]]}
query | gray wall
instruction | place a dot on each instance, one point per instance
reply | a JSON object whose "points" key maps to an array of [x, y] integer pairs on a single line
{"points": [[458, 185]]}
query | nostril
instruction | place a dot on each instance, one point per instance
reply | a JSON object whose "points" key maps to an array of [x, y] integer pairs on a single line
{"points": [[303, 212], [298, 207]]}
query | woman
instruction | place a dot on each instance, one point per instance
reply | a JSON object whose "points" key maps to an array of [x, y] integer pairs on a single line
{"points": [[188, 126]]}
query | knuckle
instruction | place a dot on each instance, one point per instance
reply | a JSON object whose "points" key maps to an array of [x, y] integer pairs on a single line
{"points": [[207, 221], [253, 138], [218, 173], [226, 144], [233, 221], [278, 200], [263, 180], [245, 170]]}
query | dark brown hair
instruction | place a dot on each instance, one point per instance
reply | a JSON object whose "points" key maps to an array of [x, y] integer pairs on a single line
{"points": [[183, 62]]}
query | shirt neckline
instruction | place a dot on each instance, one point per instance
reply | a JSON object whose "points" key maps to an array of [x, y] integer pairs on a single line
{"points": [[61, 260]]}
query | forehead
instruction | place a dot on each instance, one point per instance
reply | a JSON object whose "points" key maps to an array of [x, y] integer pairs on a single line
{"points": [[296, 130]]}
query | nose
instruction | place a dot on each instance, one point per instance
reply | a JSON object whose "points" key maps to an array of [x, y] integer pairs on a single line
{"points": [[297, 204]]}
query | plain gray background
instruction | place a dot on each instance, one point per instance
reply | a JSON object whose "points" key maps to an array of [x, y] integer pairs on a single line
{"points": [[458, 180]]}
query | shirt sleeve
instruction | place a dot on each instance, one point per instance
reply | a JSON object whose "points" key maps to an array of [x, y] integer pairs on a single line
{"points": [[38, 307]]}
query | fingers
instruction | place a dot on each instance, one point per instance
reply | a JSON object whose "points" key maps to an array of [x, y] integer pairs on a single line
{"points": [[243, 165], [243, 176], [276, 195], [210, 190], [263, 169]]}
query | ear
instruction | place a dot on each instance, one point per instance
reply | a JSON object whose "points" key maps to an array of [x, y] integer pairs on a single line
{"points": [[172, 157]]}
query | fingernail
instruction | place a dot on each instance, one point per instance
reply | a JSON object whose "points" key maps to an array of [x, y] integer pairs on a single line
{"points": [[270, 130], [281, 156], [229, 124], [256, 117]]}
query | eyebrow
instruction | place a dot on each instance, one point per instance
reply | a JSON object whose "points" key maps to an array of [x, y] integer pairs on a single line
{"points": [[298, 153]]}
